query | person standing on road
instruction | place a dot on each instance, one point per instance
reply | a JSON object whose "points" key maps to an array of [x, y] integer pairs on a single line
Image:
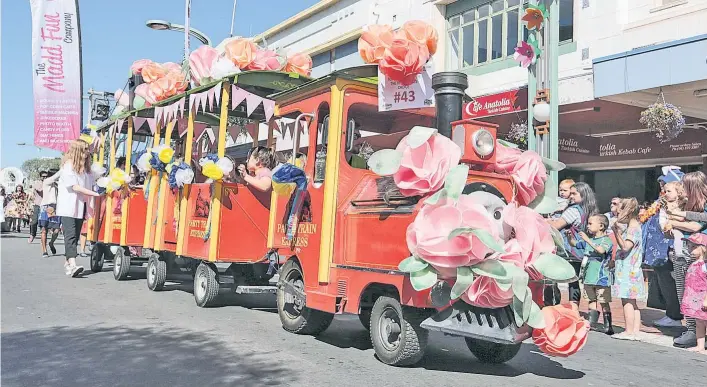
{"points": [[583, 204], [694, 302], [695, 184], [37, 193], [74, 202], [49, 221]]}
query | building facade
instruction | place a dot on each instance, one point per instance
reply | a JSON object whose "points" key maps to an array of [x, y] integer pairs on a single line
{"points": [[616, 58]]}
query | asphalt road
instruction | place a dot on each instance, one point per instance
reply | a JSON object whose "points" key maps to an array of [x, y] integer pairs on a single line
{"points": [[94, 331]]}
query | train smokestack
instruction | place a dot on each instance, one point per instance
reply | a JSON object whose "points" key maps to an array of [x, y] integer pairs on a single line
{"points": [[449, 90]]}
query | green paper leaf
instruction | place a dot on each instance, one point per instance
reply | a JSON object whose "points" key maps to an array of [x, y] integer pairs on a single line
{"points": [[545, 203], [555, 268], [559, 241], [456, 180], [522, 308], [490, 268], [465, 277], [507, 144], [423, 279], [412, 264], [536, 319], [553, 165], [385, 161], [505, 284], [439, 195], [419, 135], [520, 285], [487, 239], [138, 102]]}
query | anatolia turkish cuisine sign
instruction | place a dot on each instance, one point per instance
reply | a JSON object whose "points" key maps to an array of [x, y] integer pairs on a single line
{"points": [[495, 104], [56, 72]]}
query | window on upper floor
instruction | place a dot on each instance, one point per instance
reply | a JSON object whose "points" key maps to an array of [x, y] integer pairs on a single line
{"points": [[490, 32]]}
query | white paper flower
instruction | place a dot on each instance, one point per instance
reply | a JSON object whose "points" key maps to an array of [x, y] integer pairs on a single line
{"points": [[97, 170], [225, 164], [223, 67], [103, 182], [184, 176], [143, 163]]}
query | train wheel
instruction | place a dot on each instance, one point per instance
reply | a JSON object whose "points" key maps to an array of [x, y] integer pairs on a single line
{"points": [[396, 334], [493, 353], [365, 318], [121, 264], [294, 315], [156, 273], [97, 254], [206, 285]]}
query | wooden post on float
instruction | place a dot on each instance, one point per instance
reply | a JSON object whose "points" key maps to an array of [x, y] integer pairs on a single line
{"points": [[108, 222], [159, 229], [218, 186], [184, 197], [152, 196], [126, 200]]}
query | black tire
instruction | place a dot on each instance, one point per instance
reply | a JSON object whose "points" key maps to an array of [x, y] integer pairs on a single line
{"points": [[156, 273], [96, 259], [492, 353], [206, 285], [396, 334], [294, 316], [121, 264], [365, 318]]}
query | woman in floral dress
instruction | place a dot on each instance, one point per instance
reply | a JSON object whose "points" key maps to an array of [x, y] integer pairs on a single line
{"points": [[18, 208], [629, 284]]}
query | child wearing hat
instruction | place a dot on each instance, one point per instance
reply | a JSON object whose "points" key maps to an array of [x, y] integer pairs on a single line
{"points": [[694, 301]]}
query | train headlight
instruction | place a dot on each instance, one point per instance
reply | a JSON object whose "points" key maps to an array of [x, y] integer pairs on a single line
{"points": [[483, 143]]}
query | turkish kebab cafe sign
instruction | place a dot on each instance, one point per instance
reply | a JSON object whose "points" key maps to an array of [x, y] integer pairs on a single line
{"points": [[56, 73]]}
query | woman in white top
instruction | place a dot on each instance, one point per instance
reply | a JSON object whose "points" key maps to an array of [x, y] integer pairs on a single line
{"points": [[48, 220], [74, 199]]}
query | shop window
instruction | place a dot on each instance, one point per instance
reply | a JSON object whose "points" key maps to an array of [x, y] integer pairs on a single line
{"points": [[490, 32], [320, 151]]}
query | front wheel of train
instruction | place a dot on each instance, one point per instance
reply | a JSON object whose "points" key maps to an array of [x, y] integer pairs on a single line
{"points": [[396, 334], [156, 273], [492, 353], [206, 285], [121, 264], [97, 258], [294, 315]]}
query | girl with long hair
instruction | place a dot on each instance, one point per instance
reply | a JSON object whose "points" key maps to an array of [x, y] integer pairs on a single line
{"points": [[695, 185], [583, 204], [629, 284], [74, 202]]}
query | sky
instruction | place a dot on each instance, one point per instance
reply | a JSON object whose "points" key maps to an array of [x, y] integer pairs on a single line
{"points": [[113, 36]]}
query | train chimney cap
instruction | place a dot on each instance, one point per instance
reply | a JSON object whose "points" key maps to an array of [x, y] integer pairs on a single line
{"points": [[450, 82]]}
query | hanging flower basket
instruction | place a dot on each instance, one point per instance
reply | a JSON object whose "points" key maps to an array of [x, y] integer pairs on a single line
{"points": [[665, 119], [518, 134]]}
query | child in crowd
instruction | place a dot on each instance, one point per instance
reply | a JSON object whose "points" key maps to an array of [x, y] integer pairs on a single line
{"points": [[694, 301], [563, 199], [258, 170], [595, 272], [629, 284], [674, 199]]}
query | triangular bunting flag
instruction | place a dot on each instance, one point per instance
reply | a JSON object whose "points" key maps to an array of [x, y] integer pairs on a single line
{"points": [[182, 126], [180, 106], [269, 107], [138, 122], [252, 129], [118, 127], [252, 103], [234, 131], [210, 95], [198, 129], [237, 96], [152, 124], [217, 90]]}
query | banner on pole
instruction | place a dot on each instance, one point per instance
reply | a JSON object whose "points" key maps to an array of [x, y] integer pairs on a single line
{"points": [[56, 73]]}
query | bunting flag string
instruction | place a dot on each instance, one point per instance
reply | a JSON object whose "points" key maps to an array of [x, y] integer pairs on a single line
{"points": [[164, 114], [239, 95]]}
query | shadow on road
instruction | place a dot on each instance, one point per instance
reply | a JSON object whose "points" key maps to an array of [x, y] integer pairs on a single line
{"points": [[123, 356]]}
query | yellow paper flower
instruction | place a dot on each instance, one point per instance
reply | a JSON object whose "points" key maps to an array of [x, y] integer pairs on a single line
{"points": [[212, 171], [165, 155]]}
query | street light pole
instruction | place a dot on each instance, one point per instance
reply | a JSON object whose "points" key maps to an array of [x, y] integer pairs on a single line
{"points": [[233, 16]]}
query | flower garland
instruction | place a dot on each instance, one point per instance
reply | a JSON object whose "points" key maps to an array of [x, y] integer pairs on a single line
{"points": [[650, 212], [116, 180], [485, 251], [214, 167], [179, 173]]}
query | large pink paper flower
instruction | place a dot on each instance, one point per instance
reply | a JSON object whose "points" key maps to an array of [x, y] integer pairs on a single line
{"points": [[512, 253], [200, 62], [299, 63], [179, 79], [428, 236], [529, 174], [137, 66], [532, 234], [121, 98], [506, 159], [421, 32], [565, 331], [143, 90], [423, 169], [241, 52], [373, 42], [153, 71], [484, 292], [403, 61], [267, 60]]}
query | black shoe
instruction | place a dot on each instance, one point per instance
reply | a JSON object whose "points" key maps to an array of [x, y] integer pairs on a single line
{"points": [[45, 255], [608, 329]]}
